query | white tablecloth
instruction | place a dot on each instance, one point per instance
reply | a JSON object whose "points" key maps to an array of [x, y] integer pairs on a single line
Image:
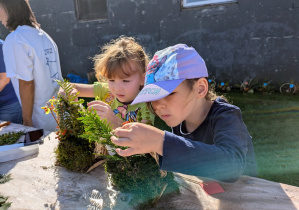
{"points": [[38, 184]]}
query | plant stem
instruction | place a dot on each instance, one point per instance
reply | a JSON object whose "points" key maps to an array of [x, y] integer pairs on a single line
{"points": [[53, 114]]}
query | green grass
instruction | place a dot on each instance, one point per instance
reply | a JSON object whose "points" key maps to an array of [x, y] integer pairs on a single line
{"points": [[273, 123]]}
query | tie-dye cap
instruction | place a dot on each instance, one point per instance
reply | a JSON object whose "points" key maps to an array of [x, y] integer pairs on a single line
{"points": [[169, 68]]}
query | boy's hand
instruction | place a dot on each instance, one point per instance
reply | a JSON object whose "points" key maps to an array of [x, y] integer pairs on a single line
{"points": [[104, 111], [140, 138]]}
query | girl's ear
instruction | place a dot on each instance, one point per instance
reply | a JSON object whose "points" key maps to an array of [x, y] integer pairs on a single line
{"points": [[201, 87]]}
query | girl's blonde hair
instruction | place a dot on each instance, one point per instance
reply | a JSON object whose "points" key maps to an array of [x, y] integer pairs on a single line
{"points": [[117, 56]]}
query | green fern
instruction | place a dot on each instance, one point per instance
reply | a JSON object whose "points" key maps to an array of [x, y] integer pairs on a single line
{"points": [[73, 152], [95, 128]]}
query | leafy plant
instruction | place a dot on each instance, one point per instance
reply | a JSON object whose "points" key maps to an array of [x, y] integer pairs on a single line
{"points": [[4, 178], [3, 204], [10, 137], [80, 129], [246, 86], [212, 83], [73, 151], [223, 87], [95, 128], [266, 88]]}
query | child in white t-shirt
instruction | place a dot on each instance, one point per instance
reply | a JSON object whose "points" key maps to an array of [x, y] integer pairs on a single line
{"points": [[32, 62]]}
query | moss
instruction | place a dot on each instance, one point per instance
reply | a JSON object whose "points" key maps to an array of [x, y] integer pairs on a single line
{"points": [[75, 154], [140, 175]]}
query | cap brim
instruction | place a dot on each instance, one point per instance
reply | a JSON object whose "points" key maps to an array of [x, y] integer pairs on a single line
{"points": [[156, 91]]}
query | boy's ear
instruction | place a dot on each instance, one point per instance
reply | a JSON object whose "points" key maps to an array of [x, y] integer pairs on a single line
{"points": [[142, 79], [201, 87]]}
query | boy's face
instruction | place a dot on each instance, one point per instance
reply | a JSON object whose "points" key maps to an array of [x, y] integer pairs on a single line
{"points": [[125, 89], [176, 107]]}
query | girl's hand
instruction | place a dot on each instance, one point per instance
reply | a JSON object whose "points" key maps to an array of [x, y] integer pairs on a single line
{"points": [[74, 91], [140, 139], [104, 111]]}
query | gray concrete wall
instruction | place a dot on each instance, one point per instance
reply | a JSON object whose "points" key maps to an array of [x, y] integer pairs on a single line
{"points": [[250, 38]]}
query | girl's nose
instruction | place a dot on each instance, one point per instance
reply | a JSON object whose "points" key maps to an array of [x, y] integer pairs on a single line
{"points": [[118, 86]]}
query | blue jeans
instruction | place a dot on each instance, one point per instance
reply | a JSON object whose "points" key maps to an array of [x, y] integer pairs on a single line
{"points": [[12, 113]]}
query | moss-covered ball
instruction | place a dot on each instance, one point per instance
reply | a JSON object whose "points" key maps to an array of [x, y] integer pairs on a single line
{"points": [[140, 176], [75, 154]]}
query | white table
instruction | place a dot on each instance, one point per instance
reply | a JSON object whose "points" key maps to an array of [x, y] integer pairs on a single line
{"points": [[39, 184], [17, 150]]}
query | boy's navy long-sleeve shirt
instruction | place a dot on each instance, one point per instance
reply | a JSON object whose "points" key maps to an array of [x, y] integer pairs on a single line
{"points": [[220, 148]]}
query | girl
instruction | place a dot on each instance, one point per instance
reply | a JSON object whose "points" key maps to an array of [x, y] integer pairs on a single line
{"points": [[32, 62], [209, 137], [122, 66]]}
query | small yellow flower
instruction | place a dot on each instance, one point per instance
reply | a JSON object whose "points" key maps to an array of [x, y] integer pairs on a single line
{"points": [[47, 109], [52, 101]]}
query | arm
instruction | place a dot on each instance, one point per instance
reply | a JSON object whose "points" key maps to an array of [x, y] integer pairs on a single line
{"points": [[4, 80], [85, 90], [224, 160], [26, 89], [19, 64], [196, 158]]}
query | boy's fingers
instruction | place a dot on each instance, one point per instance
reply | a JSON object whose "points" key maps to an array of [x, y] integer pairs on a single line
{"points": [[122, 132], [129, 125], [120, 141], [126, 152]]}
